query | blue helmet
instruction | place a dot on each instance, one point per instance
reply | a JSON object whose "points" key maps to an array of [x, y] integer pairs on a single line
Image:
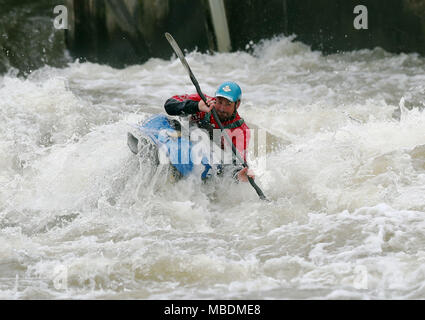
{"points": [[229, 90]]}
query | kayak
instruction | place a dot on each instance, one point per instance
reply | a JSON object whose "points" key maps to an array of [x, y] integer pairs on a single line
{"points": [[161, 137]]}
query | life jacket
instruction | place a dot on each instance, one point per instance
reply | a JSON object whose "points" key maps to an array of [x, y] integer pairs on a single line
{"points": [[236, 128]]}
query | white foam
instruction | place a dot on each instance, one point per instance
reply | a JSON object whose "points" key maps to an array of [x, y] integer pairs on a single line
{"points": [[347, 181]]}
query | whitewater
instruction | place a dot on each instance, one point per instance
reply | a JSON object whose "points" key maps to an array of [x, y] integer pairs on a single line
{"points": [[343, 163]]}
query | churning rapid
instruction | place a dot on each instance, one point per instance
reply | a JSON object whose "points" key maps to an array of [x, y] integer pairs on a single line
{"points": [[82, 217]]}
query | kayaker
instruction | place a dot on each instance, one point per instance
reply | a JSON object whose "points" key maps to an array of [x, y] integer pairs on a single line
{"points": [[226, 102]]}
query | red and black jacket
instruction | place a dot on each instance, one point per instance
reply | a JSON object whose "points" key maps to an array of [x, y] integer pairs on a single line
{"points": [[181, 105]]}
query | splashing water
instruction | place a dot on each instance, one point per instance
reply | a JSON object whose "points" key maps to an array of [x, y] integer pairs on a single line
{"points": [[82, 217]]}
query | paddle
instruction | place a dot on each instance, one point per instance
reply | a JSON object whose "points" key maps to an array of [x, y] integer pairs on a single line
{"points": [[180, 54]]}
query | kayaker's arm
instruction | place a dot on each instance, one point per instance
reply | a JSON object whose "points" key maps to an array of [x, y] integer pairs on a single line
{"points": [[181, 108], [187, 104]]}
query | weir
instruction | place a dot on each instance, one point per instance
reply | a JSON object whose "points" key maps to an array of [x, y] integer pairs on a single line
{"points": [[221, 29], [123, 32]]}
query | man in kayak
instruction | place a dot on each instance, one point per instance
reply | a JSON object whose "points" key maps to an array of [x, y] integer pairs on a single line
{"points": [[226, 102]]}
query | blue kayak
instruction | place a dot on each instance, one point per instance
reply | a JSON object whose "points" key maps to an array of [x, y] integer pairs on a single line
{"points": [[165, 134]]}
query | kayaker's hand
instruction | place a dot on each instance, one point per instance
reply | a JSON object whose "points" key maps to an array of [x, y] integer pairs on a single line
{"points": [[206, 108], [244, 174]]}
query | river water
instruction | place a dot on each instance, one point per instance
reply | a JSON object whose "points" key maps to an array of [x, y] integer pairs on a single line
{"points": [[81, 217]]}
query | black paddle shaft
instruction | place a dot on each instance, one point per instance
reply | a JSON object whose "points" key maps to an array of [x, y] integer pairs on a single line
{"points": [[180, 54]]}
